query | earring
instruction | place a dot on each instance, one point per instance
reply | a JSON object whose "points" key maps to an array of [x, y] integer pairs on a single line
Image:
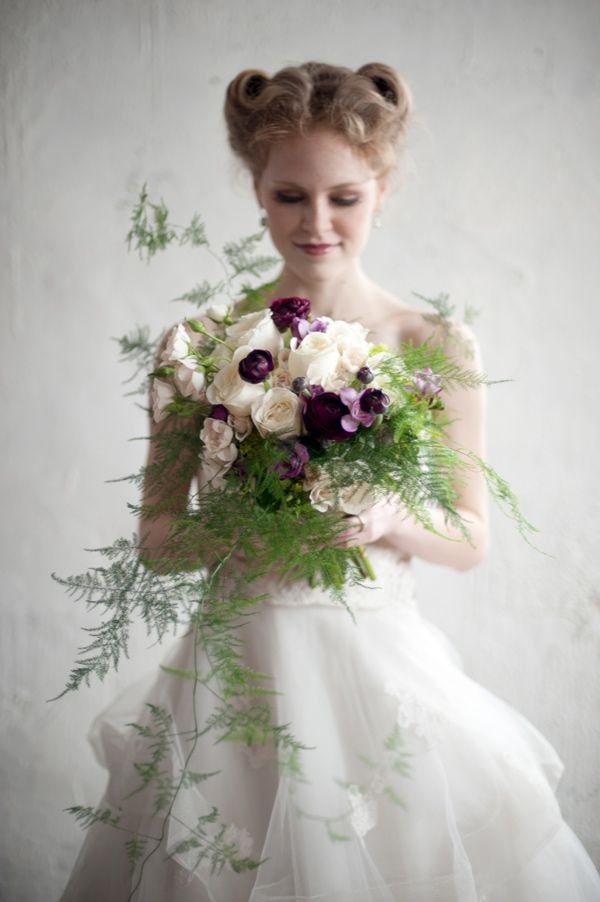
{"points": [[263, 219], [377, 221]]}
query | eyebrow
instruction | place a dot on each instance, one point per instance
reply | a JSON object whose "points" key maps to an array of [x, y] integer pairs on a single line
{"points": [[331, 188]]}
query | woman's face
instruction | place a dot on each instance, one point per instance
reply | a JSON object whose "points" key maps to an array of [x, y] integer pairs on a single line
{"points": [[320, 197]]}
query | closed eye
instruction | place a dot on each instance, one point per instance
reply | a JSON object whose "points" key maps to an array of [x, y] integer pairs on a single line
{"points": [[283, 197]]}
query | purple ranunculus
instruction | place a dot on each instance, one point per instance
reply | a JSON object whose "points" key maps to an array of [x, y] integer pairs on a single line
{"points": [[285, 310], [256, 366], [365, 375], [219, 412], [357, 416], [323, 414], [374, 401], [426, 383], [293, 466]]}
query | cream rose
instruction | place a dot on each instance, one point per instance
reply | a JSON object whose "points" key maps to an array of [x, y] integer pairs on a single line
{"points": [[230, 389], [317, 350], [256, 331], [277, 413], [161, 394], [189, 378]]}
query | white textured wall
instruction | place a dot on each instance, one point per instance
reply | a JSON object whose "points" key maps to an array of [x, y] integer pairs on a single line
{"points": [[501, 209]]}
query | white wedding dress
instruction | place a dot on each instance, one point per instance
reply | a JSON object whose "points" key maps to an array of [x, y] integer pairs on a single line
{"points": [[472, 818]]}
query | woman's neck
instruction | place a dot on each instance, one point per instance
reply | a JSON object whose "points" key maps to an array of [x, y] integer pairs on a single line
{"points": [[344, 296]]}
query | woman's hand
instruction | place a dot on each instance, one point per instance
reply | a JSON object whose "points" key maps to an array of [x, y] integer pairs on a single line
{"points": [[373, 523]]}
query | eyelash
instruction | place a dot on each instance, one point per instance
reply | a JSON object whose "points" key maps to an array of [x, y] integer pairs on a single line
{"points": [[283, 198]]}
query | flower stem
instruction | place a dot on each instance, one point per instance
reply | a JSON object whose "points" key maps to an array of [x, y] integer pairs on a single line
{"points": [[362, 562]]}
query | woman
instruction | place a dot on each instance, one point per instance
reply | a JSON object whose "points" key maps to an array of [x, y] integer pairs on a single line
{"points": [[417, 785]]}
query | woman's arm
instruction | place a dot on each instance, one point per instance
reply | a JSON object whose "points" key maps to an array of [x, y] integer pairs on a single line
{"points": [[165, 497], [465, 409]]}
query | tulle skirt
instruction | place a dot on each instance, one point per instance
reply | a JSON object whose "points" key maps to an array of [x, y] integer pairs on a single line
{"points": [[415, 783]]}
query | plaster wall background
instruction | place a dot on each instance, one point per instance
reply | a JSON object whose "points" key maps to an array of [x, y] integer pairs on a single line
{"points": [[500, 207]]}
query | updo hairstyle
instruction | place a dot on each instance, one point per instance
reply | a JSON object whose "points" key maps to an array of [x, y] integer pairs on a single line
{"points": [[369, 108]]}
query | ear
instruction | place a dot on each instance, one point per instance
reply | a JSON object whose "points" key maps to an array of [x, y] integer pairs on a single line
{"points": [[382, 192]]}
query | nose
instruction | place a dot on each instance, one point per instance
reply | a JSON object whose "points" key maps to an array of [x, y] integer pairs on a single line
{"points": [[317, 217]]}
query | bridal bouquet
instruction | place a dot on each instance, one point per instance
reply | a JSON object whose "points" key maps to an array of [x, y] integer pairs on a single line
{"points": [[289, 423], [304, 413]]}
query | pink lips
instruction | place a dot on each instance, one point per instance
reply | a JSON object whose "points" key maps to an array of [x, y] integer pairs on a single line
{"points": [[317, 250]]}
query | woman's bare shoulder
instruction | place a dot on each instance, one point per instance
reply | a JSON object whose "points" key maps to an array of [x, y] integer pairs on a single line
{"points": [[401, 323]]}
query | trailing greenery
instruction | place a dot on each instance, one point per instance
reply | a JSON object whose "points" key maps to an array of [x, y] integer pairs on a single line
{"points": [[206, 576]]}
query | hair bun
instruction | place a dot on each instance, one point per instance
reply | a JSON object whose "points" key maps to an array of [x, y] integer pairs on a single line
{"points": [[388, 85], [247, 87]]}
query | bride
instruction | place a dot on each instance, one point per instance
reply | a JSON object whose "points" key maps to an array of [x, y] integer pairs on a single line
{"points": [[417, 784]]}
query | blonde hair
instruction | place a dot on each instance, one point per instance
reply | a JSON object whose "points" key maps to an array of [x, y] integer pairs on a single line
{"points": [[369, 108]]}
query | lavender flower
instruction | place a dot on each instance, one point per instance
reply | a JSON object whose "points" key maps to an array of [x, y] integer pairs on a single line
{"points": [[301, 327], [426, 384]]}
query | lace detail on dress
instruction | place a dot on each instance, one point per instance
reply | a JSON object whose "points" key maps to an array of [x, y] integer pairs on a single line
{"points": [[364, 808], [414, 715]]}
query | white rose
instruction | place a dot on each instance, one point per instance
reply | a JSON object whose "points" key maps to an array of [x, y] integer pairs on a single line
{"points": [[355, 499], [277, 413], [162, 393], [317, 349], [177, 346], [256, 331], [230, 389], [352, 500], [189, 378], [217, 312], [320, 492]]}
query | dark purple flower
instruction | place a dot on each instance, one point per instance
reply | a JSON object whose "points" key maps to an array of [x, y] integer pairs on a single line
{"points": [[256, 366], [365, 375], [293, 467], [374, 401], [322, 415], [219, 412], [285, 310]]}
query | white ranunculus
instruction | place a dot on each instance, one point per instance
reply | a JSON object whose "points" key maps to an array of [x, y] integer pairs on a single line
{"points": [[277, 413], [161, 394], [230, 389], [217, 312], [189, 378], [216, 435], [256, 331], [318, 350], [177, 346], [346, 333]]}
